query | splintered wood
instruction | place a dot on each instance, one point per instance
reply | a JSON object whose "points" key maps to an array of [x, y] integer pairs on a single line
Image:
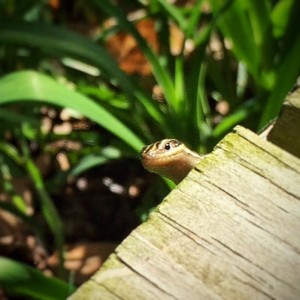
{"points": [[230, 230]]}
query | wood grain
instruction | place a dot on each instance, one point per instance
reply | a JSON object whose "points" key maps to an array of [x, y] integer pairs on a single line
{"points": [[230, 230]]}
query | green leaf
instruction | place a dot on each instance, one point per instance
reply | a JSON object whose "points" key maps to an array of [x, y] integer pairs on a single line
{"points": [[41, 88], [20, 279], [286, 76], [280, 16], [13, 117], [48, 209], [174, 12], [260, 20], [94, 159], [61, 42], [11, 152], [242, 37], [238, 116]]}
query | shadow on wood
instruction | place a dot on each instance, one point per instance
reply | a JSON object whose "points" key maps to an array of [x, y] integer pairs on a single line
{"points": [[230, 230]]}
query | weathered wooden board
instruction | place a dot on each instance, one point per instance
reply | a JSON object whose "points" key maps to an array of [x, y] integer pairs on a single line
{"points": [[230, 230], [285, 131]]}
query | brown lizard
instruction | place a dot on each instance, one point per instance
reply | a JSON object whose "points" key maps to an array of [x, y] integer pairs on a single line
{"points": [[169, 158]]}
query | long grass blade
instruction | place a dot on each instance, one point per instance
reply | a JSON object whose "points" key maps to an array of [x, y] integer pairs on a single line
{"points": [[286, 76], [242, 39], [41, 88], [22, 280], [174, 13], [63, 43]]}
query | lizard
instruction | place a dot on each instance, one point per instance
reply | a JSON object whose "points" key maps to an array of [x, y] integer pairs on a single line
{"points": [[169, 158]]}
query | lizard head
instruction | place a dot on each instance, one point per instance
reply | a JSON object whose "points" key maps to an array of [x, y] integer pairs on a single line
{"points": [[169, 158]]}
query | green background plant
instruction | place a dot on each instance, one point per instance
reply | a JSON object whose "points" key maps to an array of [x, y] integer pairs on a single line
{"points": [[259, 42]]}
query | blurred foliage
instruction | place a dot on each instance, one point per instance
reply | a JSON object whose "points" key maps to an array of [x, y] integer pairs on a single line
{"points": [[236, 61], [31, 283]]}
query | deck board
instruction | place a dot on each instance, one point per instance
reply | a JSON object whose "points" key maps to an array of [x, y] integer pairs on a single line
{"points": [[229, 230]]}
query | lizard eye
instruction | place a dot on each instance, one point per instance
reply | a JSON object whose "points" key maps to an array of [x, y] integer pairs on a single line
{"points": [[167, 146]]}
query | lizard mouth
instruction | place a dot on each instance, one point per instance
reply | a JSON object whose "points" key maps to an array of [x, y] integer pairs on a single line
{"points": [[143, 150]]}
